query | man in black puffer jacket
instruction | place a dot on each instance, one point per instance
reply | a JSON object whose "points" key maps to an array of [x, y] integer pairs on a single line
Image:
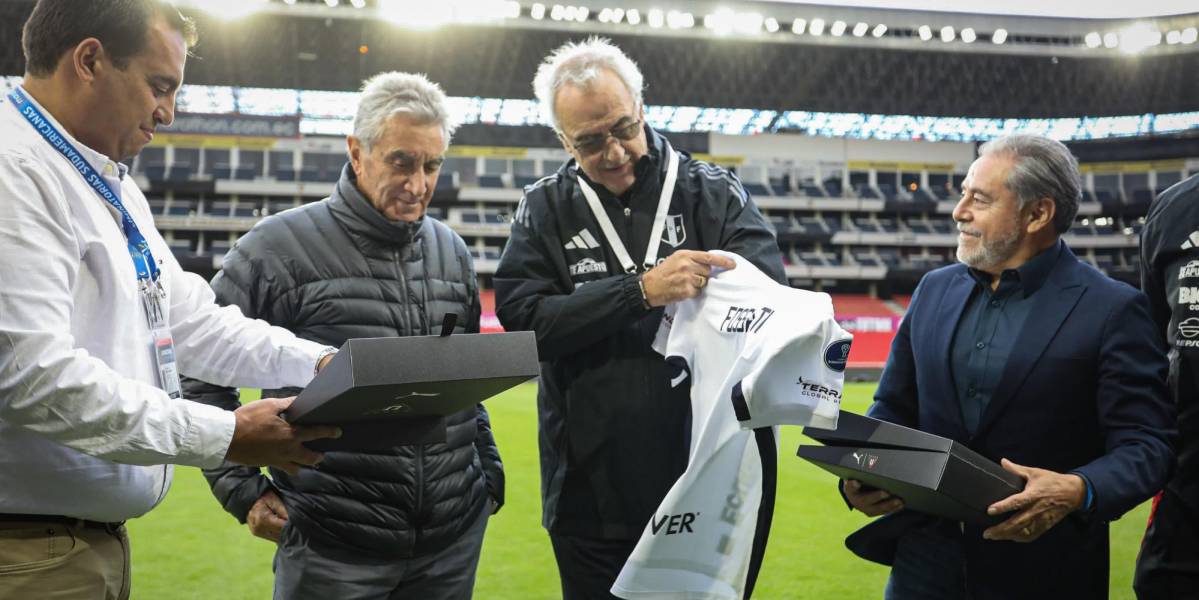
{"points": [[366, 262]]}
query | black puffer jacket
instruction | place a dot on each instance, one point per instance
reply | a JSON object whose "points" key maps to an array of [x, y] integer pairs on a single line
{"points": [[334, 270]]}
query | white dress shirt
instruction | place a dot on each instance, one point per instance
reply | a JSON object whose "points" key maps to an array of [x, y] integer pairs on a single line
{"points": [[80, 402]]}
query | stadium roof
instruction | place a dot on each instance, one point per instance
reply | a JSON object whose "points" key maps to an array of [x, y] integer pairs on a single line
{"points": [[1087, 9]]}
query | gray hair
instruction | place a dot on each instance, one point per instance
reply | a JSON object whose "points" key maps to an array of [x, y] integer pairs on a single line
{"points": [[388, 94], [580, 63], [1043, 168]]}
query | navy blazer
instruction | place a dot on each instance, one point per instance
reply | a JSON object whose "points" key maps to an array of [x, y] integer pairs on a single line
{"points": [[1084, 391]]}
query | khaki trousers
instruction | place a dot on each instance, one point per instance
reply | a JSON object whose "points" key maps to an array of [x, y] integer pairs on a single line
{"points": [[58, 560]]}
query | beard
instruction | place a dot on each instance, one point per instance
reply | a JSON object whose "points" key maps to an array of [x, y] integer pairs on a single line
{"points": [[988, 254]]}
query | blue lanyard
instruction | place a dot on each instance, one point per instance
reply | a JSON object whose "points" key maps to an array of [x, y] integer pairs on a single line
{"points": [[139, 249]]}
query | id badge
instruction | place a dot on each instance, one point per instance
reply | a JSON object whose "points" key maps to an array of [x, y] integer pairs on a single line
{"points": [[163, 344]]}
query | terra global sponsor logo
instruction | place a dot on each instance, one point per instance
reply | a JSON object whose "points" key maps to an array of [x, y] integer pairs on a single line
{"points": [[815, 390], [587, 265]]}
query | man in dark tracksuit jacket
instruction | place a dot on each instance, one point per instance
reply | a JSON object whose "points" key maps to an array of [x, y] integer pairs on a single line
{"points": [[1168, 565], [613, 432], [403, 522]]}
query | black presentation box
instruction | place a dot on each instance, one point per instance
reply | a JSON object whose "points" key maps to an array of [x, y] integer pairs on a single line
{"points": [[931, 474], [395, 391]]}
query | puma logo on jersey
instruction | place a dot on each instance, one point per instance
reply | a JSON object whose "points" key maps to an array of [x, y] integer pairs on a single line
{"points": [[583, 240], [742, 320], [680, 523]]}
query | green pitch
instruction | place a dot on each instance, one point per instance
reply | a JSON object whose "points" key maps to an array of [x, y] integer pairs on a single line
{"points": [[190, 548]]}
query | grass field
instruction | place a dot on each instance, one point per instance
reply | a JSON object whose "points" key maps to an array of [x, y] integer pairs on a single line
{"points": [[190, 548]]}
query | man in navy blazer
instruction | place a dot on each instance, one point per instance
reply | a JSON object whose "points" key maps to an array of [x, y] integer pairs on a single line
{"points": [[1035, 359]]}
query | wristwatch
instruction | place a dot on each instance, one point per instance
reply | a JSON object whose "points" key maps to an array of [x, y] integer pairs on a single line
{"points": [[327, 352]]}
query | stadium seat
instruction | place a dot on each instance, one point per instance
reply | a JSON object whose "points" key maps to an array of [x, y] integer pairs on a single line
{"points": [[245, 173], [310, 175], [520, 181], [491, 181], [219, 208], [155, 171], [285, 174], [180, 247], [865, 191], [832, 188], [180, 172], [780, 187], [222, 171], [812, 190], [278, 206], [180, 208], [246, 209], [755, 189]]}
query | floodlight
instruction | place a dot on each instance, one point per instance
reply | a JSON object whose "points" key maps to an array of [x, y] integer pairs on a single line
{"points": [[838, 28], [617, 14], [581, 13], [680, 20], [926, 32], [947, 34], [228, 10], [1189, 35], [605, 15], [537, 11], [358, 3], [771, 24], [655, 18], [999, 37], [1094, 40], [879, 30], [1174, 37], [331, 3], [633, 17], [1139, 36], [798, 26], [1111, 39], [816, 27], [860, 29], [749, 23], [968, 35]]}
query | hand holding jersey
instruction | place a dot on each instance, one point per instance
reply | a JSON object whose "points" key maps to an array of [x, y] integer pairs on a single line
{"points": [[758, 354], [681, 276]]}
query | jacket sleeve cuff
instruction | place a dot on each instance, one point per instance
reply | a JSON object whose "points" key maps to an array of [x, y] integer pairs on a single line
{"points": [[631, 290]]}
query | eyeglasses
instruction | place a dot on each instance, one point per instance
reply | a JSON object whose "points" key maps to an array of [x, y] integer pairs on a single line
{"points": [[595, 143]]}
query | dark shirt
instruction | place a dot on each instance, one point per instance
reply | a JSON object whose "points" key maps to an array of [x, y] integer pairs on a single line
{"points": [[988, 329]]}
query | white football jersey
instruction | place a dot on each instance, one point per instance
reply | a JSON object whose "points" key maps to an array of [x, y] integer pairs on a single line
{"points": [[758, 354]]}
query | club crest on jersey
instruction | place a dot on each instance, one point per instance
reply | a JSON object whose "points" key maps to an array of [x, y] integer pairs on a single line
{"points": [[674, 233], [587, 266], [837, 355]]}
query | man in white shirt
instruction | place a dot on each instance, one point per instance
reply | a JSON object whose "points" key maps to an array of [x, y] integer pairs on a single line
{"points": [[96, 317]]}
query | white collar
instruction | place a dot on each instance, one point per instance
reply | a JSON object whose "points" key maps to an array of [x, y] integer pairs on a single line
{"points": [[101, 163]]}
